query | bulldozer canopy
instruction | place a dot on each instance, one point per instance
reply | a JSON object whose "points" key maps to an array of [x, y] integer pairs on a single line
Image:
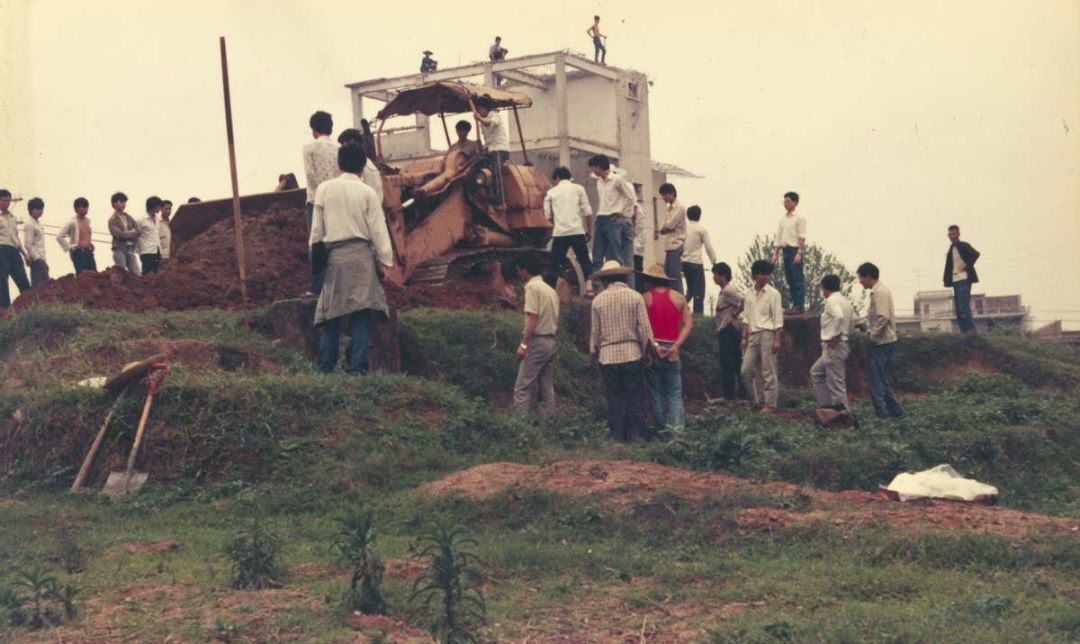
{"points": [[448, 97]]}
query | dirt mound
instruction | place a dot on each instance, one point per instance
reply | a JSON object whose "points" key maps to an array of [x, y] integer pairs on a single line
{"points": [[628, 483], [202, 273]]}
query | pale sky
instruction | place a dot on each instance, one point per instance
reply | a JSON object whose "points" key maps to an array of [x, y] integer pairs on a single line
{"points": [[892, 120]]}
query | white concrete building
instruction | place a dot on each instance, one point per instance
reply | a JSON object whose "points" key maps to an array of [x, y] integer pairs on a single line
{"points": [[934, 311], [579, 109]]}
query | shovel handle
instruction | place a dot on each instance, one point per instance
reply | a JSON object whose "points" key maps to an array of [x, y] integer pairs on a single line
{"points": [[85, 469], [154, 375]]}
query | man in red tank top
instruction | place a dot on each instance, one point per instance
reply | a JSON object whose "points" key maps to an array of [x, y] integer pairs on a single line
{"points": [[672, 321]]}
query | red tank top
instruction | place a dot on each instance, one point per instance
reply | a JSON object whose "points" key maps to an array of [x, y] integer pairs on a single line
{"points": [[664, 315]]}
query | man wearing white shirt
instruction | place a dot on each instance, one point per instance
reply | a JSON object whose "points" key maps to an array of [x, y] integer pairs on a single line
{"points": [[674, 227], [697, 238], [149, 243], [348, 220], [829, 373], [320, 164], [567, 207], [165, 230], [762, 331], [616, 204], [790, 242], [34, 240], [496, 138]]}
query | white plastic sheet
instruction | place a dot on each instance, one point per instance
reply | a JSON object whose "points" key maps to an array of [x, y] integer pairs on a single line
{"points": [[941, 482]]}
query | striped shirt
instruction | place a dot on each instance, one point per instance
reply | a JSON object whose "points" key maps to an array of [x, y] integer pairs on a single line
{"points": [[620, 325]]}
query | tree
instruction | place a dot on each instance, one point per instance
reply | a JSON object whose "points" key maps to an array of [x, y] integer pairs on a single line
{"points": [[817, 263]]}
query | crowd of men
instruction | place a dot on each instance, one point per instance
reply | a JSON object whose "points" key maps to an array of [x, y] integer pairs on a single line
{"points": [[140, 245]]}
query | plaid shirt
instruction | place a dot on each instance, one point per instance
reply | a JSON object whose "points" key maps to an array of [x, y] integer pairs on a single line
{"points": [[620, 325]]}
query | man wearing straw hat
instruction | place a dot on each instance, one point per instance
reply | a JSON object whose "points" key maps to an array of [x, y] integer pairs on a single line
{"points": [[428, 64], [620, 342], [671, 321]]}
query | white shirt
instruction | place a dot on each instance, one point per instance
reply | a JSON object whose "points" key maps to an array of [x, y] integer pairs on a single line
{"points": [[567, 207], [791, 229], [616, 194], [373, 179], [165, 238], [696, 239], [495, 135], [347, 208], [762, 310], [70, 235], [838, 318], [34, 240], [320, 163], [148, 242]]}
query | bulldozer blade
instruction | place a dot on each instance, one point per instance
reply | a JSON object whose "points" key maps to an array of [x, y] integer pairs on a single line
{"points": [[120, 483]]}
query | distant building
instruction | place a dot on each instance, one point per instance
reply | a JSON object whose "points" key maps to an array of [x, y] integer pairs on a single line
{"points": [[579, 109], [1054, 333], [934, 312]]}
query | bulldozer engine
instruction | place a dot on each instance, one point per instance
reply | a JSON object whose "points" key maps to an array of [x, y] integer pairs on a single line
{"points": [[453, 219]]}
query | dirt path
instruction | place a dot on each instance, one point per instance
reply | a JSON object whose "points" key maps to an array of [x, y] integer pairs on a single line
{"points": [[629, 482]]}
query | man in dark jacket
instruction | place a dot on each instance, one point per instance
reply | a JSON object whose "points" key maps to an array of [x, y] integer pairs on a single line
{"points": [[960, 275]]}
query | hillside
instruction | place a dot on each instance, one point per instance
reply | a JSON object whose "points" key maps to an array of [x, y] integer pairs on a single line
{"points": [[755, 528]]}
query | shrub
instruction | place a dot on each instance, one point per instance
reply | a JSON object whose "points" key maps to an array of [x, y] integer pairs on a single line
{"points": [[353, 543], [37, 599], [448, 591], [254, 554]]}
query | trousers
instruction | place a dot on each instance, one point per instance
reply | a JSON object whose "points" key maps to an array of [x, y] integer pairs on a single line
{"points": [[962, 305], [760, 361], [536, 377], [730, 359], [886, 403], [664, 379], [624, 387], [829, 375], [11, 265], [559, 246], [795, 277], [695, 285]]}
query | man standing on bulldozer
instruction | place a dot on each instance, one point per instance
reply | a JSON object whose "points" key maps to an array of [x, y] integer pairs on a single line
{"points": [[496, 139]]}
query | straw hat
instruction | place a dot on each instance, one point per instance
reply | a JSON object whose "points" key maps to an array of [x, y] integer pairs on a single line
{"points": [[611, 267], [428, 52], [656, 272]]}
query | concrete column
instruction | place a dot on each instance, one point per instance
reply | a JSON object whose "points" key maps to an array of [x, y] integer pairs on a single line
{"points": [[562, 112], [357, 108]]}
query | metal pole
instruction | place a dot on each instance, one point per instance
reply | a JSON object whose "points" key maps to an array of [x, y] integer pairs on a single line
{"points": [[237, 219], [521, 136], [445, 131]]}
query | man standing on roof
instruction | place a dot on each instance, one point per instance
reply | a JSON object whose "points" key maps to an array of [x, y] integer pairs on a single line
{"points": [[497, 52], [496, 139], [599, 50], [428, 64]]}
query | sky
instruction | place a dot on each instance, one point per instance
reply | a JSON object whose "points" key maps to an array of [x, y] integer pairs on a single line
{"points": [[892, 120]]}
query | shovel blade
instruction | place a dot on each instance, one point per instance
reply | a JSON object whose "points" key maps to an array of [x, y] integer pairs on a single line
{"points": [[120, 483]]}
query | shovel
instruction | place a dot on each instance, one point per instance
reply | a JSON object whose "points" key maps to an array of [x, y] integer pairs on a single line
{"points": [[129, 480]]}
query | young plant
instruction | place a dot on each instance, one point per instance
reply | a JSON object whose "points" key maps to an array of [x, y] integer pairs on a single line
{"points": [[37, 599], [353, 544], [254, 554], [448, 591]]}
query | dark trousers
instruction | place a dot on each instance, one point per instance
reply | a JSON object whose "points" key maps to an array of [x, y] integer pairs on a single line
{"points": [[83, 260], [559, 246], [885, 401], [730, 359], [673, 268], [624, 386], [150, 262], [316, 278], [11, 265], [639, 265], [695, 285], [962, 304], [795, 278], [39, 273], [358, 353], [498, 159]]}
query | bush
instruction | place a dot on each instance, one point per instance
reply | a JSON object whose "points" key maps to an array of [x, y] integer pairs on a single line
{"points": [[353, 543], [255, 555], [37, 599], [448, 591]]}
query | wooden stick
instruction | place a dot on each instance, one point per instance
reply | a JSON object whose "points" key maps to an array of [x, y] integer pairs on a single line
{"points": [[85, 469], [521, 136], [445, 131], [237, 219]]}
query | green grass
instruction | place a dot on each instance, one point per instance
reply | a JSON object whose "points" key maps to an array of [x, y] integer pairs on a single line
{"points": [[307, 448]]}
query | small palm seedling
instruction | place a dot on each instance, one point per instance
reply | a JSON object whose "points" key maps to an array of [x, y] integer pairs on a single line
{"points": [[353, 544], [254, 553], [37, 599], [448, 591]]}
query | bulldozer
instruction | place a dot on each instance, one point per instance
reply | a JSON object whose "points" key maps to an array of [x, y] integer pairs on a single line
{"points": [[447, 221]]}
